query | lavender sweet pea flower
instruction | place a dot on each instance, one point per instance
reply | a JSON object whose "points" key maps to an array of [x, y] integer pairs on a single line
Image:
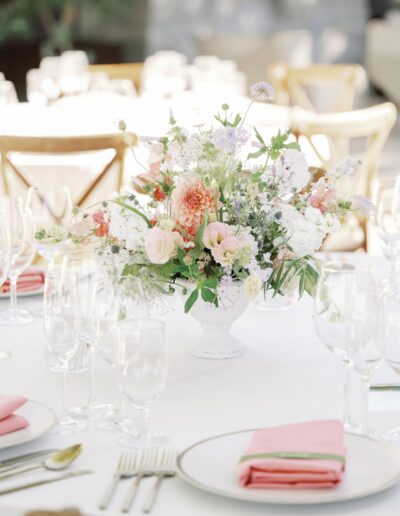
{"points": [[229, 138], [263, 91]]}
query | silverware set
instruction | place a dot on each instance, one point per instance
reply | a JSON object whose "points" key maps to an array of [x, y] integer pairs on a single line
{"points": [[158, 463], [49, 459]]}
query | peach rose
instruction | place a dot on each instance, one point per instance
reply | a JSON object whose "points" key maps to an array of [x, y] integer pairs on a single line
{"points": [[215, 233], [224, 253], [160, 245]]}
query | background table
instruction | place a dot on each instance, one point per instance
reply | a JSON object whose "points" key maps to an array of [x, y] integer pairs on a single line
{"points": [[286, 375]]}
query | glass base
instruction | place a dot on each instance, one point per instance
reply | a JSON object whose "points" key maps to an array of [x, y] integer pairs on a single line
{"points": [[5, 354], [94, 411], [115, 425], [392, 435], [143, 441], [68, 425], [16, 317]]}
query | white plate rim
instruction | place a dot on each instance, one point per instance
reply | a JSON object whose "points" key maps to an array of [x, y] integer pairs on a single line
{"points": [[247, 494], [30, 439]]}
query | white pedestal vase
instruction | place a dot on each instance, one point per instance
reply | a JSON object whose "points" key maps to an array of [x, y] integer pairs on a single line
{"points": [[216, 341]]}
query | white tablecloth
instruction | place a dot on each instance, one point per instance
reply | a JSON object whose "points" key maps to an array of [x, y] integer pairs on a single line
{"points": [[286, 375]]}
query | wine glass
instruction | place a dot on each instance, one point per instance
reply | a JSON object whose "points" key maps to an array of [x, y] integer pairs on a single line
{"points": [[61, 324], [389, 334], [23, 248], [52, 212], [345, 319], [132, 303], [5, 249], [143, 360], [385, 196]]}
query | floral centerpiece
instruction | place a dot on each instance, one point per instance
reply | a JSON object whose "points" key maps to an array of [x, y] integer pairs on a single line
{"points": [[219, 206]]}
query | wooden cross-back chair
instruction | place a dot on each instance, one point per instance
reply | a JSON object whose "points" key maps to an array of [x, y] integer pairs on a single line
{"points": [[130, 71], [291, 84], [372, 124], [64, 145]]}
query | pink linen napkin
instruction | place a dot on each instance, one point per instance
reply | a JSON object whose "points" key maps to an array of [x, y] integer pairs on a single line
{"points": [[310, 454], [10, 422], [28, 281]]}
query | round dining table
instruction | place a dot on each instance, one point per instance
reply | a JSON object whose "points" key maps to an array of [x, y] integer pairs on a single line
{"points": [[285, 375]]}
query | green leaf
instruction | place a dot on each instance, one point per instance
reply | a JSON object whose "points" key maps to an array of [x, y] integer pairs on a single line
{"points": [[259, 137], [257, 154], [207, 295], [211, 282], [191, 300], [200, 233], [293, 145]]}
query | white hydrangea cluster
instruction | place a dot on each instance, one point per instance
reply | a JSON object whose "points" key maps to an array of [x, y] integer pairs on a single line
{"points": [[126, 226], [307, 231]]}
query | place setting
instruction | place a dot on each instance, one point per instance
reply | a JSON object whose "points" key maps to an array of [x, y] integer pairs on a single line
{"points": [[206, 320]]}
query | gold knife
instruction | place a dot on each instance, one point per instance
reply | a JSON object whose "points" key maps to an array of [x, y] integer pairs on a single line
{"points": [[71, 474]]}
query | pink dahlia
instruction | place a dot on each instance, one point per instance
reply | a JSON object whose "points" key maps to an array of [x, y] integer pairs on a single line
{"points": [[190, 200]]}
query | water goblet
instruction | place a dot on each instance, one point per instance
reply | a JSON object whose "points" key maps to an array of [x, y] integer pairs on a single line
{"points": [[143, 362], [61, 324], [23, 248]]}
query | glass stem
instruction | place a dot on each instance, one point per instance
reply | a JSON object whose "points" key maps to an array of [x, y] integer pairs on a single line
{"points": [[64, 409], [143, 420], [13, 293], [346, 416], [92, 393], [365, 419]]}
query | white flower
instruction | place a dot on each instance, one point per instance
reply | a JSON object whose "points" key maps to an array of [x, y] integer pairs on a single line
{"points": [[167, 224], [230, 138], [156, 152], [126, 226], [292, 167], [345, 167], [252, 285]]}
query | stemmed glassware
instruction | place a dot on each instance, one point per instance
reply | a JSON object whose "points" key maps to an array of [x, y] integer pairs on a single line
{"points": [[143, 361], [61, 323], [5, 249], [345, 319], [23, 248], [98, 312], [131, 302], [52, 212]]}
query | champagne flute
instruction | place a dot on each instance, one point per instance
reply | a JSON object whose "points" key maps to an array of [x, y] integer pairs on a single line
{"points": [[52, 212], [87, 271], [5, 249], [143, 360], [23, 248], [342, 318], [61, 324]]}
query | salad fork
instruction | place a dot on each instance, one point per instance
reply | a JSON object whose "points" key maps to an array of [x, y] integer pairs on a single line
{"points": [[166, 468], [127, 467], [148, 465]]}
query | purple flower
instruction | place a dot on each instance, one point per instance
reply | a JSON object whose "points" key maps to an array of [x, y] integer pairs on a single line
{"points": [[362, 205], [263, 91], [229, 138]]}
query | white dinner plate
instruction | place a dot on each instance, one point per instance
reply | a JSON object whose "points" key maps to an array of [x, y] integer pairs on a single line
{"points": [[41, 419], [371, 466]]}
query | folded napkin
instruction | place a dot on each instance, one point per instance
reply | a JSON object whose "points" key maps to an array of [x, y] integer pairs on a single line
{"points": [[10, 422], [302, 455], [28, 281]]}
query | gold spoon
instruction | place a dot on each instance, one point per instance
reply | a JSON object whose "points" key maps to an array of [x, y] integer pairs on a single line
{"points": [[57, 461]]}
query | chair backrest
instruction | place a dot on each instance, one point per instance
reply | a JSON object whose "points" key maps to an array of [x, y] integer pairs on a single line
{"points": [[300, 85], [131, 71], [64, 145], [337, 130]]}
